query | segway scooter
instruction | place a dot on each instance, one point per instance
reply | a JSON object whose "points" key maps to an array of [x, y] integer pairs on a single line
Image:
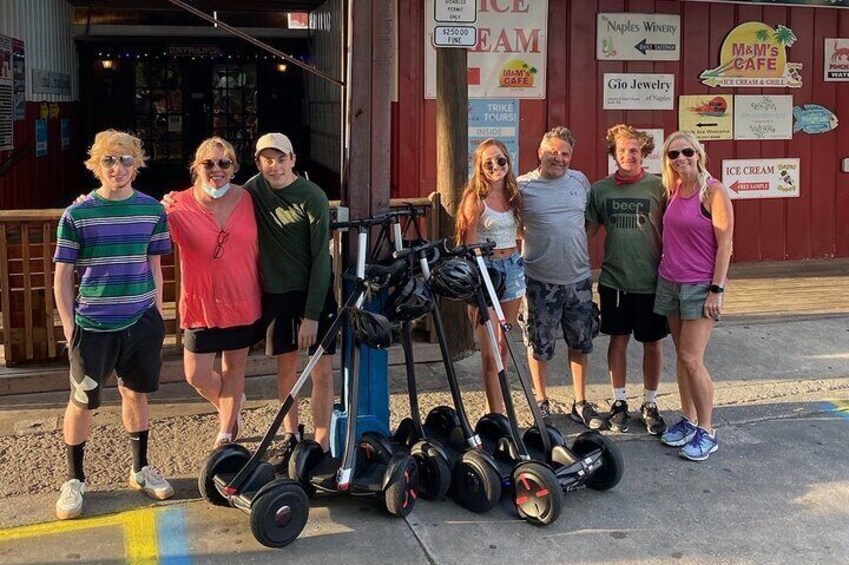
{"points": [[594, 461], [232, 476]]}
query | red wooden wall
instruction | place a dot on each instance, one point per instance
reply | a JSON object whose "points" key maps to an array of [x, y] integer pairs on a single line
{"points": [[42, 182], [815, 225]]}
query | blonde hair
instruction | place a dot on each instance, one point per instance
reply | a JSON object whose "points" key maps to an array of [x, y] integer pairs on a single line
{"points": [[477, 189], [114, 142], [670, 175], [206, 147], [623, 131]]}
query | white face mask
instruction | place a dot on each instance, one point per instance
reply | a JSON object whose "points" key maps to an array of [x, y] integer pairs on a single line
{"points": [[215, 192]]}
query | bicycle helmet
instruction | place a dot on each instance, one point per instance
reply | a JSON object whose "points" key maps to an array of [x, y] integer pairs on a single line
{"points": [[455, 279], [499, 283], [371, 329], [409, 301]]}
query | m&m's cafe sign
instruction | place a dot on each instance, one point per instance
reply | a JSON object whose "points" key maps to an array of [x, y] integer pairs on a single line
{"points": [[755, 55]]}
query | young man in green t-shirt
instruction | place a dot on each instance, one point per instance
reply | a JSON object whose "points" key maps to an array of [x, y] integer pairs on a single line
{"points": [[630, 204]]}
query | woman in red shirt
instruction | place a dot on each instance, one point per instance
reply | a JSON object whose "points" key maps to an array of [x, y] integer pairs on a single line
{"points": [[214, 226]]}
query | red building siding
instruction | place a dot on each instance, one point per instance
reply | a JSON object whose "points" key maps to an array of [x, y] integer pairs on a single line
{"points": [[814, 225]]}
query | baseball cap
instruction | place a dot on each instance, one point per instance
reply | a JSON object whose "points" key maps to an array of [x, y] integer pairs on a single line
{"points": [[276, 141]]}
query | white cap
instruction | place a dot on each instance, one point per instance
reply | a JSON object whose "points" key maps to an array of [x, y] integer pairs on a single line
{"points": [[276, 141]]}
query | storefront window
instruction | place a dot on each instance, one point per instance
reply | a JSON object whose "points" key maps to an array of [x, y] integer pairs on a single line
{"points": [[159, 110], [234, 106]]}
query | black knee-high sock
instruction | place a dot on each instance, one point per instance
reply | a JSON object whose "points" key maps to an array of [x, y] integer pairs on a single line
{"points": [[138, 444], [74, 455]]}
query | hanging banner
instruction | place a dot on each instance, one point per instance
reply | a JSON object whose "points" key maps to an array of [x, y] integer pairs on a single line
{"points": [[755, 55], [634, 91], [509, 57], [6, 96], [813, 119], [638, 37], [40, 138], [498, 119], [836, 60], [652, 163], [761, 178], [709, 117], [19, 84], [763, 117]]}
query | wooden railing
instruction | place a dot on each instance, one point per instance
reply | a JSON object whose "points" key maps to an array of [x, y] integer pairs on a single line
{"points": [[31, 330]]}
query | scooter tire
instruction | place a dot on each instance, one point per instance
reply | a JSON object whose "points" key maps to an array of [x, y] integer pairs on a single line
{"points": [[477, 486], [434, 472], [536, 493], [226, 459], [614, 465], [279, 515], [399, 494]]}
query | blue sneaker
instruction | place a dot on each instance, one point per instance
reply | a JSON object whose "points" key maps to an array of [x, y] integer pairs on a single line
{"points": [[680, 434], [700, 447]]}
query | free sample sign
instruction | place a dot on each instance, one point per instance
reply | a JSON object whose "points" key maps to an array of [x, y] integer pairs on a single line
{"points": [[638, 37], [761, 178], [636, 91]]}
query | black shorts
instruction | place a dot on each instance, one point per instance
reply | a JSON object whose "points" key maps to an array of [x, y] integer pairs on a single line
{"points": [[135, 354], [213, 340], [623, 313], [282, 314]]}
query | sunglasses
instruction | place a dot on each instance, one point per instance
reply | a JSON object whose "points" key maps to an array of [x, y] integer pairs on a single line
{"points": [[688, 152], [209, 164], [500, 162], [112, 160], [219, 249]]}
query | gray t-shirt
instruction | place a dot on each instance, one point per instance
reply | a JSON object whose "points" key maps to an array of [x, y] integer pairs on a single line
{"points": [[555, 240]]}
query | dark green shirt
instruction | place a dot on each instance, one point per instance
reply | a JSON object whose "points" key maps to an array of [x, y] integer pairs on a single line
{"points": [[293, 224], [632, 215]]}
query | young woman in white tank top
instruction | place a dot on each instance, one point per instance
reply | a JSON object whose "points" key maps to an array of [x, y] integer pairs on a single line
{"points": [[489, 210]]}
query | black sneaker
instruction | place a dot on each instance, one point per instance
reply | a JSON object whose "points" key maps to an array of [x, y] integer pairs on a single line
{"points": [[585, 413], [544, 409], [655, 425], [279, 454], [619, 417]]}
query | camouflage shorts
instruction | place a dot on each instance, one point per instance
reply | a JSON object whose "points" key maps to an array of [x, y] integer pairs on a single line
{"points": [[569, 306]]}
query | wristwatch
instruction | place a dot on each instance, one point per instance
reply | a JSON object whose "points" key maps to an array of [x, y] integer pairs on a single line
{"points": [[716, 289]]}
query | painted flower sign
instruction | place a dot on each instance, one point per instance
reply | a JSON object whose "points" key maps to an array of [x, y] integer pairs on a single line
{"points": [[754, 54]]}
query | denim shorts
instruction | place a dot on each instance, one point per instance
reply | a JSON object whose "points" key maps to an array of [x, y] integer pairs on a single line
{"points": [[513, 270], [685, 301]]}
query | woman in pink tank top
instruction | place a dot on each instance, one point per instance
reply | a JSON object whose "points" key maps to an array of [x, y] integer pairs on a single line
{"points": [[213, 224], [697, 242]]}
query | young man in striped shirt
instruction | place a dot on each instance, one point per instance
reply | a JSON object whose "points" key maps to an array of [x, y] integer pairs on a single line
{"points": [[114, 240]]}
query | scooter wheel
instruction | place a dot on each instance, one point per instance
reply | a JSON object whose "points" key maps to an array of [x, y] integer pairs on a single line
{"points": [[613, 465], [399, 494], [227, 459], [477, 485], [434, 472], [279, 515], [536, 493]]}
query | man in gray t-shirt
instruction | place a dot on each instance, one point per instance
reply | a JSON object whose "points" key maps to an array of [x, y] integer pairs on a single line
{"points": [[557, 269]]}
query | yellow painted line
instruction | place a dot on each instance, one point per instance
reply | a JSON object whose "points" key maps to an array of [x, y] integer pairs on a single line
{"points": [[139, 529]]}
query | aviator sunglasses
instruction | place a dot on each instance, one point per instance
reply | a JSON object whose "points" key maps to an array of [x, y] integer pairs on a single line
{"points": [[111, 160], [688, 152], [209, 164], [501, 162]]}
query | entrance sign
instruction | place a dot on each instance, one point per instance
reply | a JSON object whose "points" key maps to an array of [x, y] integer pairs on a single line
{"points": [[763, 117], [634, 91], [652, 163], [709, 117], [498, 119], [509, 58], [455, 11], [755, 55], [638, 37], [455, 36], [836, 60], [761, 178]]}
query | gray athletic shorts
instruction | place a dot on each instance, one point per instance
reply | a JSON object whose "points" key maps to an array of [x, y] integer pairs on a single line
{"points": [[685, 301], [569, 307]]}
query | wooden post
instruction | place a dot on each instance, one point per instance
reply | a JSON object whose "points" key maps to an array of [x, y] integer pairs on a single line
{"points": [[452, 153]]}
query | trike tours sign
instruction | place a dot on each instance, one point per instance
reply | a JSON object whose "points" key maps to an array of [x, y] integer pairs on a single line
{"points": [[755, 55]]}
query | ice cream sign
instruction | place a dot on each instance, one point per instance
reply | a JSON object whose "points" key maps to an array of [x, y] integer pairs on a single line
{"points": [[761, 178], [755, 55]]}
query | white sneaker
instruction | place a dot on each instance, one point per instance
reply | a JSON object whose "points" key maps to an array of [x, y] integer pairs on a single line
{"points": [[151, 482], [70, 503]]}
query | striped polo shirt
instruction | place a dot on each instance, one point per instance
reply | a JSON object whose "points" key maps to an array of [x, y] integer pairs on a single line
{"points": [[109, 242]]}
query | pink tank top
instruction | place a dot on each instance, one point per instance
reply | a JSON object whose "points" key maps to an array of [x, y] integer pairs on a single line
{"points": [[689, 242], [223, 292]]}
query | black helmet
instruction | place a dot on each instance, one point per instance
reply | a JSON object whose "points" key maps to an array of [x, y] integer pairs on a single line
{"points": [[371, 329], [409, 301], [499, 283], [456, 279]]}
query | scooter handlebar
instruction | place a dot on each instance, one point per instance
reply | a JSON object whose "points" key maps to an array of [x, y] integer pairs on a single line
{"points": [[380, 219]]}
